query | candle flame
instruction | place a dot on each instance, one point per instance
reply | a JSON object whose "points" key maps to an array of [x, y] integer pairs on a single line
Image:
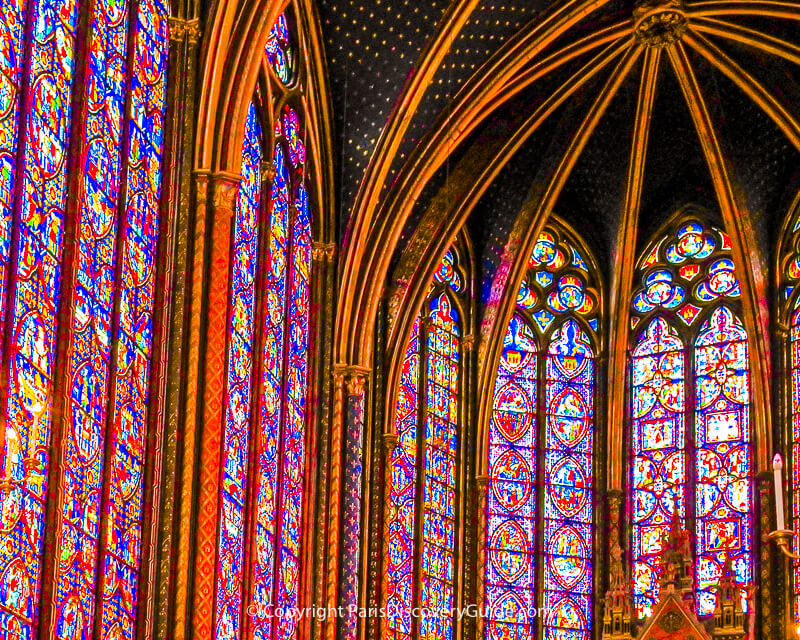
{"points": [[777, 461]]}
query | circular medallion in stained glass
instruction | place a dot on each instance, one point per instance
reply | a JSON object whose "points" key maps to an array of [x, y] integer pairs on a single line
{"points": [[513, 412], [570, 292], [690, 239], [721, 279], [566, 614], [659, 287], [47, 147], [507, 551], [569, 418], [544, 250], [566, 556], [15, 586], [8, 95]]}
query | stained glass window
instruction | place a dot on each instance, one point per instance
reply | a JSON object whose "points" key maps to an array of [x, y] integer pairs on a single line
{"points": [[795, 468], [422, 501], [790, 260], [690, 339], [280, 52], [547, 567], [113, 226], [269, 359], [236, 434]]}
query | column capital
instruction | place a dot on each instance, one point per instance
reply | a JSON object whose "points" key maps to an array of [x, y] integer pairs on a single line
{"points": [[351, 375], [323, 252], [181, 28], [224, 189], [390, 441], [468, 342]]}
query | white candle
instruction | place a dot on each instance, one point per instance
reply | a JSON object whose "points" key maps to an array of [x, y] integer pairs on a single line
{"points": [[777, 468]]}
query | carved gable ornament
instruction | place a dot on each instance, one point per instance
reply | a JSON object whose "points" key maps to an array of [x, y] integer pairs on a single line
{"points": [[672, 619]]}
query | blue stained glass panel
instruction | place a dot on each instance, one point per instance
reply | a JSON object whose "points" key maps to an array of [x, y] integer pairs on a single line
{"points": [[230, 565], [511, 499], [438, 499], [568, 504], [272, 401], [293, 470], [402, 543], [658, 473], [34, 299], [723, 458]]}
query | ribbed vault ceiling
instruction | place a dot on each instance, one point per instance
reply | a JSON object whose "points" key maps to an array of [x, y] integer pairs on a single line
{"points": [[763, 160]]}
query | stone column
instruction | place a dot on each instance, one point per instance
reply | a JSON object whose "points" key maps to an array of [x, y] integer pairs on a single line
{"points": [[166, 608], [223, 189], [351, 503]]}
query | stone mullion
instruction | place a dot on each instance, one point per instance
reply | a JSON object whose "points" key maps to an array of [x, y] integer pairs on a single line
{"points": [[168, 361]]}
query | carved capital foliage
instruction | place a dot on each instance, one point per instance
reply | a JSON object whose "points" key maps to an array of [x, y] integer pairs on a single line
{"points": [[390, 441], [224, 190], [350, 377], [323, 252], [201, 187], [181, 29], [468, 341], [614, 502]]}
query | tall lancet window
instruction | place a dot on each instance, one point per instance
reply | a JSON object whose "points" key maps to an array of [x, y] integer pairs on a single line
{"points": [[77, 294], [690, 444], [540, 528], [790, 306], [425, 464], [264, 454]]}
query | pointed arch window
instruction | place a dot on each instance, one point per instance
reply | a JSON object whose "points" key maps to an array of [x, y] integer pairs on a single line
{"points": [[425, 465], [691, 454], [75, 409], [264, 448], [790, 276], [540, 528]]}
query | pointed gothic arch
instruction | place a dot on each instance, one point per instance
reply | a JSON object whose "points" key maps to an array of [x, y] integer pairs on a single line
{"points": [[691, 440]]}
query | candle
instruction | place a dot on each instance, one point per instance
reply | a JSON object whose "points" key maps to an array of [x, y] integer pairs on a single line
{"points": [[777, 468]]}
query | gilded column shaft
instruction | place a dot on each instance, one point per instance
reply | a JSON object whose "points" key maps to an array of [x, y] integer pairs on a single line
{"points": [[350, 552], [212, 370], [334, 493], [168, 599]]}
